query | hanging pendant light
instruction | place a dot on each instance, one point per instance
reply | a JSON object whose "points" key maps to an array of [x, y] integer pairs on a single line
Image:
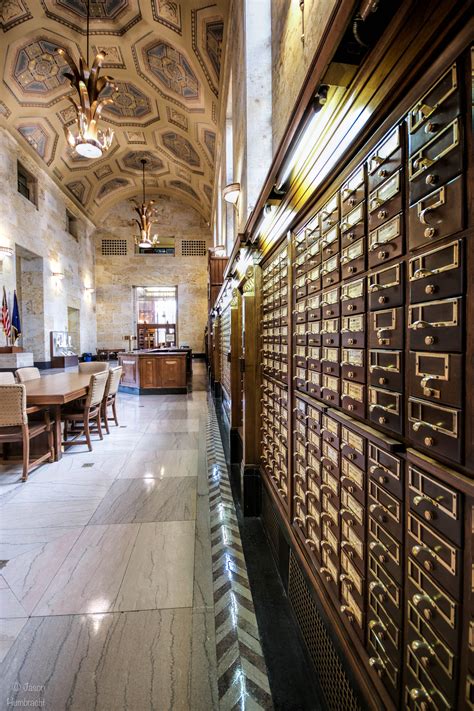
{"points": [[146, 213], [88, 140]]}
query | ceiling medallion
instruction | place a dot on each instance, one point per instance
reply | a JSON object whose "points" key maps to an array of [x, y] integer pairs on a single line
{"points": [[147, 216], [89, 141]]}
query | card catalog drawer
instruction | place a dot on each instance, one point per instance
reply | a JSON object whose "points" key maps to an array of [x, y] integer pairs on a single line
{"points": [[441, 559], [439, 504], [330, 332], [420, 691], [386, 549], [437, 162], [330, 272], [437, 215], [353, 331], [436, 376], [313, 383], [353, 226], [386, 469], [331, 430], [353, 546], [330, 306], [300, 410], [353, 479], [434, 111], [351, 577], [329, 214], [299, 379], [436, 428], [353, 398], [385, 202], [381, 663], [385, 509], [353, 447], [433, 603], [330, 361], [314, 418], [385, 369], [436, 325], [385, 159], [330, 243], [353, 513], [353, 297], [329, 569], [300, 356], [386, 329], [353, 364], [353, 190], [313, 306], [385, 409], [351, 610], [386, 242], [313, 280], [385, 288], [437, 273], [313, 333], [313, 357], [387, 632], [353, 259], [385, 590], [330, 390]]}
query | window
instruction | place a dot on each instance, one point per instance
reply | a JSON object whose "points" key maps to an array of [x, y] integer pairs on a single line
{"points": [[72, 224], [27, 184], [157, 308], [162, 245]]}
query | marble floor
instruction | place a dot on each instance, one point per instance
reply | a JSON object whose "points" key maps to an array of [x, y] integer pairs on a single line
{"points": [[106, 584]]}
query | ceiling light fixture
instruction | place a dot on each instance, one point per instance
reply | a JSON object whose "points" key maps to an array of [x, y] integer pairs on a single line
{"points": [[147, 216], [89, 141], [6, 252], [231, 193]]}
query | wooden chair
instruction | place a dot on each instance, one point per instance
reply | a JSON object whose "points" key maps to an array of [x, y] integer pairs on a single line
{"points": [[14, 426], [7, 379], [93, 367], [24, 374], [111, 389], [86, 412]]}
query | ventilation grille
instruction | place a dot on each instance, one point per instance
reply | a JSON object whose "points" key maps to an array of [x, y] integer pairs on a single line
{"points": [[114, 247], [193, 248], [332, 677]]}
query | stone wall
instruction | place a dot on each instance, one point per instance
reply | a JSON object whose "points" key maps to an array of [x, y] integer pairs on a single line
{"points": [[42, 246], [117, 275], [291, 57]]}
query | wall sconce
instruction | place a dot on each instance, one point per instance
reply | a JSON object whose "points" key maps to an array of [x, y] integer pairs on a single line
{"points": [[57, 275], [89, 289], [231, 193], [6, 252]]}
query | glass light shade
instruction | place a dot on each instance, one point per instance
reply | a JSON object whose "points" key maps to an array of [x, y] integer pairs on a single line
{"points": [[88, 150], [231, 193]]}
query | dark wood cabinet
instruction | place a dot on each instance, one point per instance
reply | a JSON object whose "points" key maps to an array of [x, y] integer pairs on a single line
{"points": [[150, 372]]}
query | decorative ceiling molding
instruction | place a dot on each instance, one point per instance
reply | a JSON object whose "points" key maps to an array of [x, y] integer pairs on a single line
{"points": [[207, 37], [168, 13], [13, 13], [108, 17], [40, 136]]}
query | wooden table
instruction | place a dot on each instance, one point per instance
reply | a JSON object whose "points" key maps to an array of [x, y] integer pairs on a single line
{"points": [[54, 391]]}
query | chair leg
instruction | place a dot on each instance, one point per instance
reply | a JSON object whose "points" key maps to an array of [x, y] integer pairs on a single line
{"points": [[104, 415], [51, 443], [26, 452], [87, 431], [114, 410], [99, 424]]}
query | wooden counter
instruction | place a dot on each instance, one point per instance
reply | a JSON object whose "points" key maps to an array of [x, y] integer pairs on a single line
{"points": [[147, 373]]}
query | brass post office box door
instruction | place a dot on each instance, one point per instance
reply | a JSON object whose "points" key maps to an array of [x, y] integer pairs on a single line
{"points": [[386, 369], [385, 159], [353, 331], [437, 273], [353, 364], [437, 162], [353, 190], [436, 428], [436, 376], [436, 325], [385, 202], [434, 111], [386, 329], [353, 297], [436, 502], [386, 241], [385, 287], [437, 215], [386, 470], [440, 558]]}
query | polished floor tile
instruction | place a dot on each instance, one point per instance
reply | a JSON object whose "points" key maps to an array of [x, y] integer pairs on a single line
{"points": [[160, 571], [72, 489], [149, 464], [168, 441], [182, 425], [39, 515], [148, 500], [89, 579], [9, 605], [133, 660], [9, 631]]}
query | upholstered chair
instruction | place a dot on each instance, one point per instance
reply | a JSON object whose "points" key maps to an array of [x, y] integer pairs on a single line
{"points": [[86, 412], [111, 390], [93, 367], [24, 374], [7, 379], [14, 425]]}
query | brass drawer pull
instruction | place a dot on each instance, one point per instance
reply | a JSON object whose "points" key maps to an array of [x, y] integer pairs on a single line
{"points": [[346, 610], [378, 629], [377, 665], [425, 604], [425, 555], [379, 590], [422, 650], [374, 545], [420, 695]]}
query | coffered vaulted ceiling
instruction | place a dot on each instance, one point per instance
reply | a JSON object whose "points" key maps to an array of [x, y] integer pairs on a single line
{"points": [[165, 57]]}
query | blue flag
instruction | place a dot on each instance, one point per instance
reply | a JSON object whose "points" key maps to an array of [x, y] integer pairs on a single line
{"points": [[16, 325]]}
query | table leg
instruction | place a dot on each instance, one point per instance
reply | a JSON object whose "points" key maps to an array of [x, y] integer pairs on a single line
{"points": [[57, 432]]}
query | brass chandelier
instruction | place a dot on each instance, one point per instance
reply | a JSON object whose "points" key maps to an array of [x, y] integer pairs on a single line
{"points": [[147, 216], [89, 141]]}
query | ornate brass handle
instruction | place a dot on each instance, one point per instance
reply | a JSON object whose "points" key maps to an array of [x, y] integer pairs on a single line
{"points": [[423, 273], [425, 555], [422, 649], [386, 408], [346, 610], [426, 604], [419, 695], [417, 325]]}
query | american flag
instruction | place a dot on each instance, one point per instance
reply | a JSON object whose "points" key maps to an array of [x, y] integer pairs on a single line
{"points": [[7, 327]]}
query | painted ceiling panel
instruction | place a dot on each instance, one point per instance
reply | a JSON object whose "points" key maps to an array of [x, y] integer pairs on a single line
{"points": [[165, 58]]}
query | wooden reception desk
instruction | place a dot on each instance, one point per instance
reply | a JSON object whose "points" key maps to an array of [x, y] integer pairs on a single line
{"points": [[148, 372]]}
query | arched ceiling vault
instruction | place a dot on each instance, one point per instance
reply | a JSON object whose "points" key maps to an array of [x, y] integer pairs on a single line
{"points": [[165, 57]]}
